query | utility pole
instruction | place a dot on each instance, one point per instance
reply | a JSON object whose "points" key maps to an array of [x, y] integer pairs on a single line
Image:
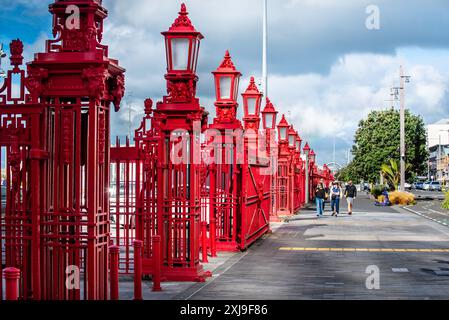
{"points": [[265, 46], [403, 79]]}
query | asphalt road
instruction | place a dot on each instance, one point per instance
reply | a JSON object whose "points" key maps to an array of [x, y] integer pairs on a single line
{"points": [[328, 258], [428, 205]]}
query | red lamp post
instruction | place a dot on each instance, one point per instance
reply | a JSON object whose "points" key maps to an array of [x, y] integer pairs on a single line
{"points": [[312, 171], [283, 170], [179, 111], [252, 99], [298, 144], [299, 172], [283, 128], [306, 151], [291, 167], [223, 171], [269, 115], [227, 80], [312, 157], [182, 43], [292, 139]]}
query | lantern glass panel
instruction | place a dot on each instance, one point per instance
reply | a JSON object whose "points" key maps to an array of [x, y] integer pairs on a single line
{"points": [[269, 120], [291, 140], [236, 88], [192, 58], [251, 102], [283, 133], [167, 53], [196, 54], [225, 87], [298, 146], [180, 53]]}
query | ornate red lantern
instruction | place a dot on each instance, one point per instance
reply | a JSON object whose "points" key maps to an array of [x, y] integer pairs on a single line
{"points": [[298, 143], [292, 137], [182, 44], [283, 129], [269, 115], [252, 99], [312, 157], [227, 80]]}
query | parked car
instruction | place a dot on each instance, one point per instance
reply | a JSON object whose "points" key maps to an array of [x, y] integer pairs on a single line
{"points": [[419, 185], [435, 186], [407, 186], [426, 186]]}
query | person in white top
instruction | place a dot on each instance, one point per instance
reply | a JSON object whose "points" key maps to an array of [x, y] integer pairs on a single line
{"points": [[336, 194]]}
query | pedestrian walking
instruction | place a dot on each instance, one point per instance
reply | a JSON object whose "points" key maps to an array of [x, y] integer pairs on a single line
{"points": [[336, 195], [350, 194], [326, 194], [319, 198]]}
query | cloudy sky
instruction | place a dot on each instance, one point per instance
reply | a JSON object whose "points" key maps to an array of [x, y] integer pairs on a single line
{"points": [[327, 70]]}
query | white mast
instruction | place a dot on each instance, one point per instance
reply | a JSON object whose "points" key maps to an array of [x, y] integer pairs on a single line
{"points": [[264, 49]]}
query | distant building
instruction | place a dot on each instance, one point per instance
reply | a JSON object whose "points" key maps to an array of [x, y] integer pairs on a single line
{"points": [[438, 133], [438, 146]]}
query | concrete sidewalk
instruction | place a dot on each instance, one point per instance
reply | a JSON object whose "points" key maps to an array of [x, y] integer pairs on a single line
{"points": [[297, 261]]}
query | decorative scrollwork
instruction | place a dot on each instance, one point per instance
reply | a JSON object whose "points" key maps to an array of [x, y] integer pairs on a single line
{"points": [[180, 92], [95, 81], [34, 82], [118, 91]]}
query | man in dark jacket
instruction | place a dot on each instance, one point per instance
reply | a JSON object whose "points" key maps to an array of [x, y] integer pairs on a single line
{"points": [[350, 194]]}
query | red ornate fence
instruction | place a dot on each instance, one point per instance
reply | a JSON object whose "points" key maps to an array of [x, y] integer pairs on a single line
{"points": [[179, 187], [55, 225]]}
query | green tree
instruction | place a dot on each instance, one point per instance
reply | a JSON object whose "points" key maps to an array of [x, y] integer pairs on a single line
{"points": [[377, 141], [347, 174], [392, 172]]}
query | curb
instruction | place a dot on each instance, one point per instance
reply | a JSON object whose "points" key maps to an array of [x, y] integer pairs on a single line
{"points": [[423, 216]]}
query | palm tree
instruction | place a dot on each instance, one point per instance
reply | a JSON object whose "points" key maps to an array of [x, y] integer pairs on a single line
{"points": [[392, 172]]}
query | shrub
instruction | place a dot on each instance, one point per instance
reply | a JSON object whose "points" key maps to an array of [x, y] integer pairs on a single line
{"points": [[401, 198], [376, 192], [446, 201]]}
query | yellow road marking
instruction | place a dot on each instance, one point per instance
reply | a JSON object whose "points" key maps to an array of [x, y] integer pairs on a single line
{"points": [[398, 250]]}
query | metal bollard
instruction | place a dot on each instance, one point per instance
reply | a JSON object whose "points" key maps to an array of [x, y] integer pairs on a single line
{"points": [[157, 264], [204, 244], [114, 252], [138, 269], [12, 276], [212, 231]]}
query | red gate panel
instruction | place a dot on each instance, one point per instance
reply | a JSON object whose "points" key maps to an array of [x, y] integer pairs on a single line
{"points": [[255, 219]]}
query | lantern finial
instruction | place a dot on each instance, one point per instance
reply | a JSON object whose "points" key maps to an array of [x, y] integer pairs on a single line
{"points": [[182, 23], [252, 85], [183, 9], [227, 62]]}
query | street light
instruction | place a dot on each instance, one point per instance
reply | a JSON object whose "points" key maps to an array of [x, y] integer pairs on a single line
{"points": [[269, 115], [252, 99], [282, 128], [306, 151], [227, 81], [292, 137], [312, 157], [298, 143], [182, 44]]}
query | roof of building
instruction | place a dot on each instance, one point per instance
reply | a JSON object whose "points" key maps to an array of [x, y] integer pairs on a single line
{"points": [[442, 121]]}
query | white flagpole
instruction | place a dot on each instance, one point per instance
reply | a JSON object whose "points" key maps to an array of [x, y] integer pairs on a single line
{"points": [[264, 53]]}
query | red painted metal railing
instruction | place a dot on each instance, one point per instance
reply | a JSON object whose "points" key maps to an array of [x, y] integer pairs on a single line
{"points": [[74, 210]]}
